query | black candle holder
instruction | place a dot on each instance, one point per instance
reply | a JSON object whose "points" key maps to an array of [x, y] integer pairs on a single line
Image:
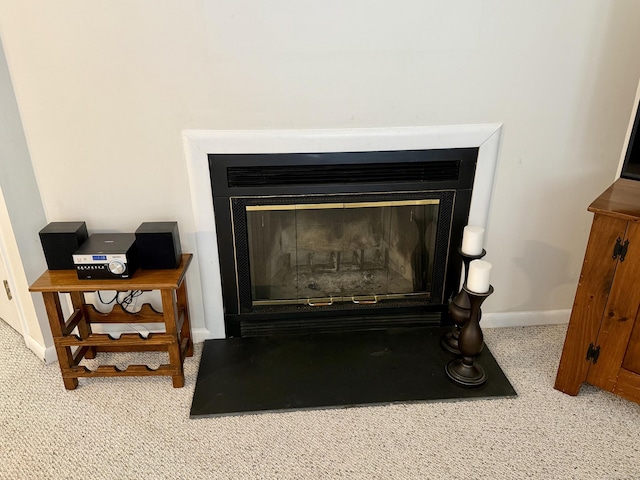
{"points": [[459, 307], [465, 370]]}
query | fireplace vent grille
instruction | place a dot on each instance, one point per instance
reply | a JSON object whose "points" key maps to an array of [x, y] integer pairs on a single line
{"points": [[341, 324], [278, 175]]}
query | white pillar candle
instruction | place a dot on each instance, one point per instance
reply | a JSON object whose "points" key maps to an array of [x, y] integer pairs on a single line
{"points": [[472, 240], [478, 280]]}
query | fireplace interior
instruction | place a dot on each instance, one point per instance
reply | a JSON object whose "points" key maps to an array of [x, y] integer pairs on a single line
{"points": [[340, 252], [324, 242]]}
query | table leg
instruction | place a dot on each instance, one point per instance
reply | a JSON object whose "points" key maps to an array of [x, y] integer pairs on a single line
{"points": [[56, 322], [84, 327], [185, 331], [170, 312]]}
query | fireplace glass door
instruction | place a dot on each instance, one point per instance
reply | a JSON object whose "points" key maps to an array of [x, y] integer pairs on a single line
{"points": [[326, 253]]}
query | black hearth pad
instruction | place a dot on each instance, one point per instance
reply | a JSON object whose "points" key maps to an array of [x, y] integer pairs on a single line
{"points": [[251, 375]]}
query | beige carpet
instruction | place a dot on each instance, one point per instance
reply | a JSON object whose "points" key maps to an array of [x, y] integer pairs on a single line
{"points": [[139, 428]]}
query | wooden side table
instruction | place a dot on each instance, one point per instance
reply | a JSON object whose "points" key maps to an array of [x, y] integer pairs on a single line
{"points": [[176, 339]]}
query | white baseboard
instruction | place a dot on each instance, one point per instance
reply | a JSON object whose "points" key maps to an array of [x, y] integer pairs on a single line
{"points": [[489, 320], [50, 355], [46, 354], [525, 319], [199, 335]]}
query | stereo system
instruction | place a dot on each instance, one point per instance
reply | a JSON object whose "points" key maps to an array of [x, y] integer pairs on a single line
{"points": [[107, 255], [67, 245]]}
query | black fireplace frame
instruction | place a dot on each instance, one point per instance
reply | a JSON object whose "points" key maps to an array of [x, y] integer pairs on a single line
{"points": [[236, 179]]}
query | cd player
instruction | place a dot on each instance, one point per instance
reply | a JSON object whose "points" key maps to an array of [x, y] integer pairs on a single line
{"points": [[107, 256]]}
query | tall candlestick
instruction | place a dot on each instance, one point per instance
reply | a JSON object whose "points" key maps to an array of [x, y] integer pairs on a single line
{"points": [[472, 240], [479, 273], [465, 370], [458, 307]]}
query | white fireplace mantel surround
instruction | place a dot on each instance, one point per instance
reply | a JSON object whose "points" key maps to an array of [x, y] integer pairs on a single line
{"points": [[199, 143]]}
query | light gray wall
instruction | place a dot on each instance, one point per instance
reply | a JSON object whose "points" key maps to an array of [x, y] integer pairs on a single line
{"points": [[17, 179], [23, 203], [105, 89]]}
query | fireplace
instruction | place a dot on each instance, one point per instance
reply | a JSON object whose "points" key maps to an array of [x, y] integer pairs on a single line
{"points": [[335, 229], [339, 241]]}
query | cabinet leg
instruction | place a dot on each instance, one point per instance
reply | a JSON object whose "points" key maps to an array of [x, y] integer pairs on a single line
{"points": [[570, 388]]}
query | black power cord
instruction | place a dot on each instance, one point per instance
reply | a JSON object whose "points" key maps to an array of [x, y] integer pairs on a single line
{"points": [[125, 302]]}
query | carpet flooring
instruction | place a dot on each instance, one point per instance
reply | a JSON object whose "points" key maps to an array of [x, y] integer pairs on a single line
{"points": [[139, 427]]}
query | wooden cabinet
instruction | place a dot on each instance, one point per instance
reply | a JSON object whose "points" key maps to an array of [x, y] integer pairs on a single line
{"points": [[602, 346]]}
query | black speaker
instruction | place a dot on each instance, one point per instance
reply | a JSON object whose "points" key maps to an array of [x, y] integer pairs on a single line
{"points": [[59, 241], [158, 245]]}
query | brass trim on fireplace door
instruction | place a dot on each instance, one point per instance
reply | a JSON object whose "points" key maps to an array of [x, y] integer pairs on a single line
{"points": [[356, 299], [317, 206]]}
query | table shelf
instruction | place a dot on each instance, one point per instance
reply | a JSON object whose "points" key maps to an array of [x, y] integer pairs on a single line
{"points": [[125, 340], [118, 314], [113, 371]]}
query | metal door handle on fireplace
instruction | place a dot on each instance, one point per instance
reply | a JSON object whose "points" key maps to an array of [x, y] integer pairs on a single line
{"points": [[313, 303], [365, 300]]}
